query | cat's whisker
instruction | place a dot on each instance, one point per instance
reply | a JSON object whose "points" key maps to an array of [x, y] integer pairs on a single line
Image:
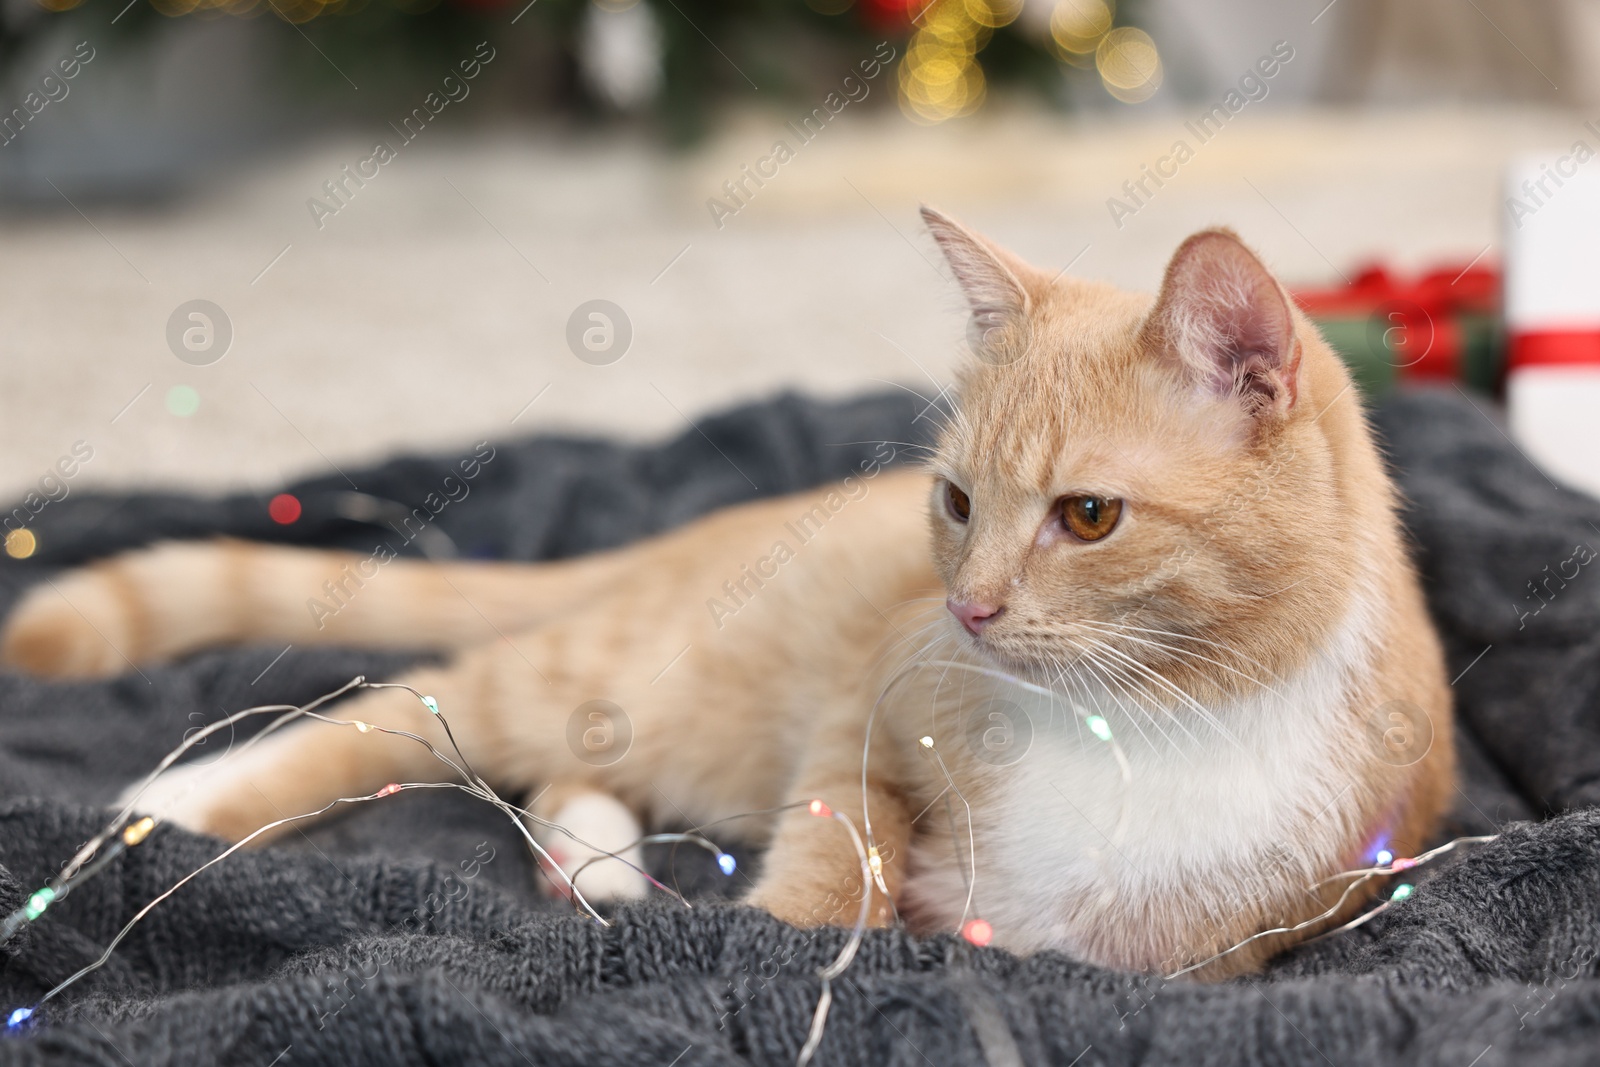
{"points": [[929, 617], [1148, 702], [926, 654], [885, 441], [1072, 692], [1229, 649], [1052, 685], [1090, 663], [934, 609], [1062, 681], [915, 638], [1125, 664], [1275, 592], [1083, 688], [931, 403], [933, 629], [1175, 650], [1125, 771], [1116, 677], [945, 403], [1171, 687], [1199, 709]]}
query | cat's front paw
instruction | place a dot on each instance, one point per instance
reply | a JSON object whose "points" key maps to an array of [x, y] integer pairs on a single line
{"points": [[796, 909], [595, 848], [72, 627], [804, 907], [205, 798], [598, 877]]}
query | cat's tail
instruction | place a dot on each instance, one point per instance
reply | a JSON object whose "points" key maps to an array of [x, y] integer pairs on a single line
{"points": [[172, 598]]}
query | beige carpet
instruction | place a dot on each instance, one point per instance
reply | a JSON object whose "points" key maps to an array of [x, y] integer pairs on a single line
{"points": [[432, 308]]}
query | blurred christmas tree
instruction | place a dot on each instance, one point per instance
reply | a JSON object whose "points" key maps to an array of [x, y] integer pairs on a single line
{"points": [[671, 63]]}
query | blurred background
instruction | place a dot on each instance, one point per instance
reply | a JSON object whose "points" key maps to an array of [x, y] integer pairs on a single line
{"points": [[250, 240]]}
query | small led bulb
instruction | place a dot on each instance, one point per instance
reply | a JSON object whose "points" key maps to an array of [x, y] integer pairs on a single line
{"points": [[38, 902], [978, 931], [817, 807], [727, 863], [1384, 857]]}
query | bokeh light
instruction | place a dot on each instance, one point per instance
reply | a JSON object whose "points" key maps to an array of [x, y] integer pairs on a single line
{"points": [[1129, 64], [1076, 26], [20, 544], [183, 401], [283, 508], [993, 13], [940, 77]]}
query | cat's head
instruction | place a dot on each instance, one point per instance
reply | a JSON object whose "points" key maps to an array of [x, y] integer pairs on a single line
{"points": [[1132, 487]]}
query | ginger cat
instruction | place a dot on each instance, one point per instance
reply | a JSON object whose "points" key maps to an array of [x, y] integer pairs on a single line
{"points": [[1167, 646]]}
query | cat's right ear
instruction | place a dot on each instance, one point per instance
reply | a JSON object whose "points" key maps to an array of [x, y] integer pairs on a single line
{"points": [[1225, 320], [998, 330]]}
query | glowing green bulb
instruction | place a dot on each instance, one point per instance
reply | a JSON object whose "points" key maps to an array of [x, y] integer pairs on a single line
{"points": [[38, 902], [1402, 891], [1099, 727], [431, 704]]}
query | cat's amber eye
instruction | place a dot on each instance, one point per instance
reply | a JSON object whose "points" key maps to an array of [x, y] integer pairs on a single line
{"points": [[957, 502], [1089, 518]]}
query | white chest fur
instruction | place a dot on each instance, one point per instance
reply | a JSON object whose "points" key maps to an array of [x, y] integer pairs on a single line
{"points": [[1076, 853]]}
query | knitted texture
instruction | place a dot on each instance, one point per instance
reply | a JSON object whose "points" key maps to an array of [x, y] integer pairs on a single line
{"points": [[409, 931]]}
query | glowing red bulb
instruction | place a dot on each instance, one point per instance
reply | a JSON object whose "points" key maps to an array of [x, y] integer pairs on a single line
{"points": [[284, 509], [389, 790], [819, 808], [1402, 864], [978, 931]]}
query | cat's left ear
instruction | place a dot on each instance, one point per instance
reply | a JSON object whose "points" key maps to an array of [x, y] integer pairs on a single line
{"points": [[990, 279], [1226, 320]]}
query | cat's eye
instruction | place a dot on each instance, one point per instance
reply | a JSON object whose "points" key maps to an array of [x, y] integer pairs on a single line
{"points": [[957, 502], [1089, 518]]}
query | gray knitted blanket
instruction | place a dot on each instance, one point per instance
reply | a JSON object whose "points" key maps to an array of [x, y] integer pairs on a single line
{"points": [[409, 930]]}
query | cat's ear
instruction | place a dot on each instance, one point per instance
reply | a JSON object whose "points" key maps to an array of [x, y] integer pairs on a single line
{"points": [[1224, 318], [989, 278]]}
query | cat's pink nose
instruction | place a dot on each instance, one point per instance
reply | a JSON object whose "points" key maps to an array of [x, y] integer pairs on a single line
{"points": [[974, 615]]}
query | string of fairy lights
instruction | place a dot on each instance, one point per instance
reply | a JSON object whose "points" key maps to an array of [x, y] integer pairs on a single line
{"points": [[126, 830]]}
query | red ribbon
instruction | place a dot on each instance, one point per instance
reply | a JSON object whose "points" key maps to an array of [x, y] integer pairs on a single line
{"points": [[1555, 348], [1417, 316]]}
